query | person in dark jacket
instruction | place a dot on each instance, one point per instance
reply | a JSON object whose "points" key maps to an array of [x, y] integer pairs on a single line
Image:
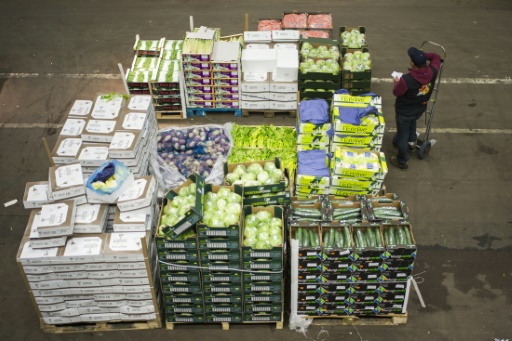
{"points": [[413, 91]]}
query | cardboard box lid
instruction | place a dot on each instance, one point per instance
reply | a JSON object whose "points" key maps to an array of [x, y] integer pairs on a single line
{"points": [[130, 217], [66, 147], [73, 127], [253, 36], [125, 245], [140, 102], [140, 188], [106, 108], [26, 252], [132, 121], [90, 214], [93, 151], [57, 214], [36, 192], [202, 33], [81, 108], [224, 51], [90, 245], [66, 176], [125, 140], [100, 127]]}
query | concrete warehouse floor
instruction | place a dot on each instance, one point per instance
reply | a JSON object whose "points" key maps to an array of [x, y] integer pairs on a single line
{"points": [[54, 52]]}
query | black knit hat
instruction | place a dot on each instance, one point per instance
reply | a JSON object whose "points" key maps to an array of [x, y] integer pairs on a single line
{"points": [[417, 56]]}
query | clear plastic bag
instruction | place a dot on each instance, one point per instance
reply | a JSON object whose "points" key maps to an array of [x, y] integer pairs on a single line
{"points": [[168, 174]]}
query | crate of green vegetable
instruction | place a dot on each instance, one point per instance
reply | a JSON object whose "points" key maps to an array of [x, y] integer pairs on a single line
{"points": [[185, 318], [219, 242], [263, 264], [264, 296], [309, 237], [182, 208], [263, 307], [351, 212], [181, 287], [187, 240], [257, 177], [396, 211], [399, 239], [313, 213], [263, 234], [268, 199], [147, 47], [222, 211], [224, 308], [337, 240], [224, 317], [219, 254], [262, 275], [183, 276], [263, 316], [217, 298], [260, 286], [180, 265], [174, 255], [223, 287], [184, 308], [183, 298], [221, 276]]}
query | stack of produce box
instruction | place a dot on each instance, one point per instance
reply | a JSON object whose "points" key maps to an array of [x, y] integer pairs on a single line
{"points": [[197, 68], [112, 130], [357, 74], [226, 74], [89, 257], [219, 246], [166, 83], [269, 65], [178, 255], [312, 136], [319, 69], [346, 267], [262, 254], [144, 66]]}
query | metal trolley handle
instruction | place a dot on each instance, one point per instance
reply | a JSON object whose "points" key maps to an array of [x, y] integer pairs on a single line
{"points": [[428, 42]]}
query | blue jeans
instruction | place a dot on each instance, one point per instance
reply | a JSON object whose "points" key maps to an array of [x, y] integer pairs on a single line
{"points": [[406, 132]]}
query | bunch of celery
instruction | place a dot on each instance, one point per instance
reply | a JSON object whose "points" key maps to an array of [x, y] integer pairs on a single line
{"points": [[197, 46], [147, 45]]}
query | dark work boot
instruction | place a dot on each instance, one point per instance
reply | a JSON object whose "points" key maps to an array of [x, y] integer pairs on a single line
{"points": [[396, 163]]}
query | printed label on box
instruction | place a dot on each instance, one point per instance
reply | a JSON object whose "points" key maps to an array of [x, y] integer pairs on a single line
{"points": [[83, 246], [100, 126], [81, 108], [139, 103], [134, 121], [135, 190], [73, 127], [53, 214], [86, 214], [29, 252], [94, 153], [69, 147], [130, 217], [122, 140], [126, 241], [68, 176]]}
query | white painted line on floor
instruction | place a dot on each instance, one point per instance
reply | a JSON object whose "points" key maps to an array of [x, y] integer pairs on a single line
{"points": [[458, 80], [460, 131], [391, 130], [118, 76]]}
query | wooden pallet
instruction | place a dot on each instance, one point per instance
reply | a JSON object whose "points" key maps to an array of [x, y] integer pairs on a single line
{"points": [[204, 111], [225, 325], [363, 320], [170, 115], [269, 113], [100, 326]]}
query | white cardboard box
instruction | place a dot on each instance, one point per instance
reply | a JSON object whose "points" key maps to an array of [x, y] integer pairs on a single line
{"points": [[224, 51], [93, 154], [124, 144], [286, 36], [133, 121], [263, 46], [84, 248], [81, 108], [255, 104], [254, 86], [287, 65], [26, 254], [125, 246], [283, 96], [106, 109], [65, 181], [258, 60], [56, 219], [140, 194], [288, 46], [141, 103], [278, 86], [131, 221], [99, 130], [36, 194], [255, 96], [278, 105], [73, 127], [90, 218], [257, 36], [66, 149]]}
